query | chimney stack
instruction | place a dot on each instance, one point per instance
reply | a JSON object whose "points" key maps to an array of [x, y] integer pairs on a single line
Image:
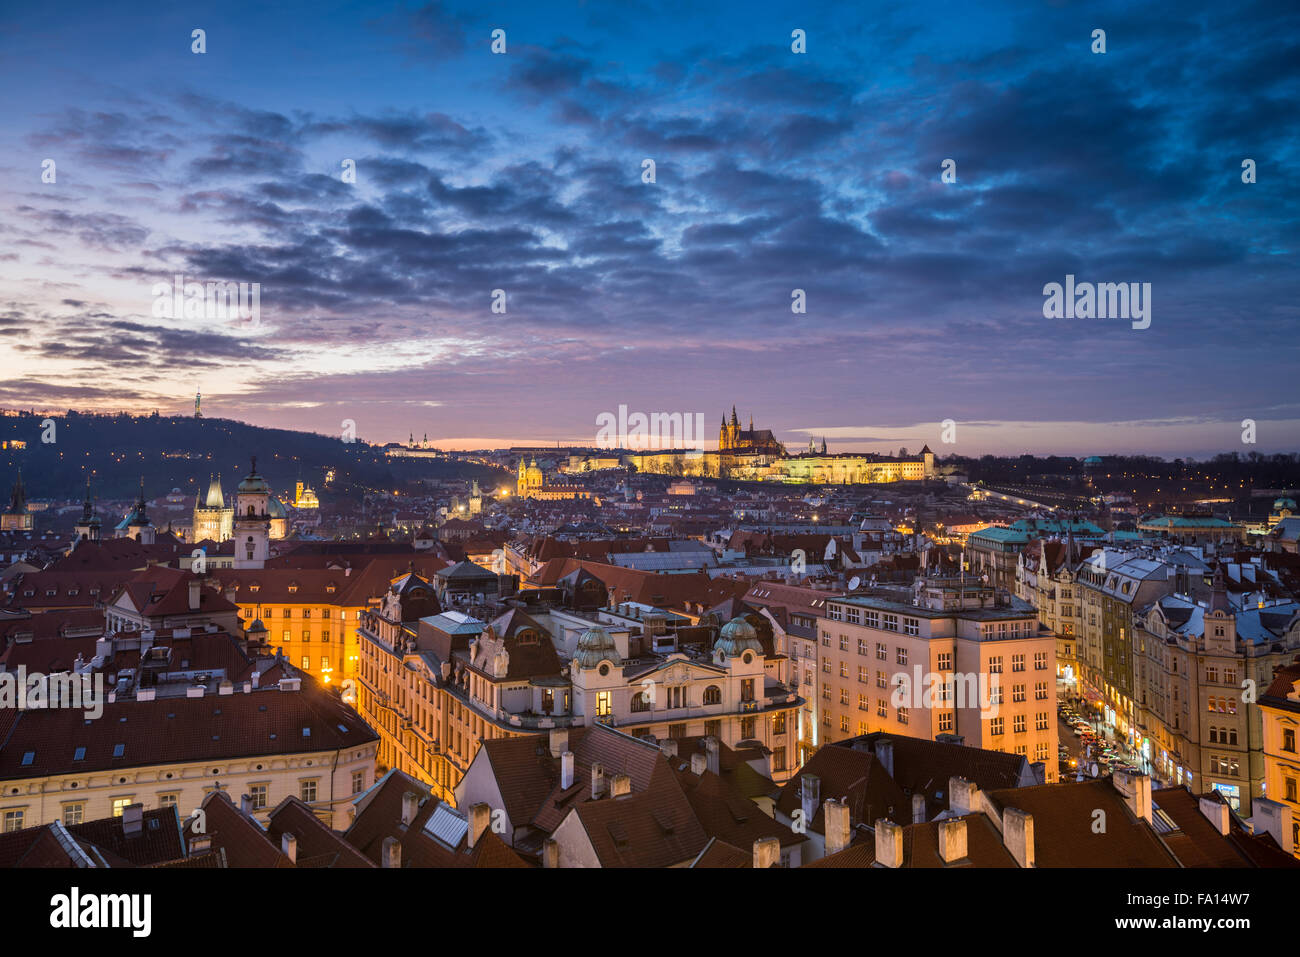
{"points": [[837, 826], [289, 847], [133, 820], [1267, 815], [480, 818], [410, 805], [668, 747], [597, 781], [566, 770], [1136, 789], [391, 853], [550, 852], [963, 796], [885, 755], [952, 840], [246, 803], [620, 786], [1018, 834], [889, 844], [767, 852], [918, 808], [810, 789], [699, 763], [559, 740], [195, 596], [1216, 812], [712, 750]]}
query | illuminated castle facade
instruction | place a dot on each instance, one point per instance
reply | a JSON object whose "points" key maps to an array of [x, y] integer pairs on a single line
{"points": [[732, 438], [532, 484]]}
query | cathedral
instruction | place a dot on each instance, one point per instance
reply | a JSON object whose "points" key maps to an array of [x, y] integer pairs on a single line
{"points": [[732, 438]]}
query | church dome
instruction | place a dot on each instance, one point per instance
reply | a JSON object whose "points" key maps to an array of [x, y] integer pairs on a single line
{"points": [[275, 508], [254, 483], [736, 637], [594, 647], [1284, 503]]}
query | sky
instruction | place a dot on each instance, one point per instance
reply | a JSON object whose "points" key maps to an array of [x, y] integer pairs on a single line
{"points": [[775, 171]]}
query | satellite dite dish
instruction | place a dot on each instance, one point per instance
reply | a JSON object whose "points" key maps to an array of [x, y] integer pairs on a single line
{"points": [[854, 583]]}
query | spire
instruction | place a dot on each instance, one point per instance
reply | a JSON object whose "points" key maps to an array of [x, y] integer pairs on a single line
{"points": [[139, 503], [1219, 596], [87, 511], [734, 422]]}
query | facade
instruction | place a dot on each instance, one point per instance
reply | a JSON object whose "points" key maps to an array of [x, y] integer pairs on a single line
{"points": [[1195, 664], [1279, 707], [963, 661], [531, 483]]}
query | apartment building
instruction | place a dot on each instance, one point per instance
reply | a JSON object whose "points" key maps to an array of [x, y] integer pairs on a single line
{"points": [[1279, 708], [1199, 666], [963, 659]]}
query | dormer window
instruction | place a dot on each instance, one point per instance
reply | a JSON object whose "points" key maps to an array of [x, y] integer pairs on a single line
{"points": [[293, 587]]}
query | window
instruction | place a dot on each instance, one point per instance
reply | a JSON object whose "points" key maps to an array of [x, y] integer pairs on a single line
{"points": [[747, 689], [1040, 661], [1290, 786], [287, 635], [746, 728], [844, 696], [1018, 724], [325, 663], [120, 805], [902, 716], [871, 619], [881, 710], [945, 661], [14, 820], [1040, 721], [74, 813], [1212, 675], [778, 723], [995, 726], [945, 721], [844, 669], [826, 666], [778, 759], [889, 623], [1040, 691], [168, 800], [864, 674], [863, 647], [1017, 692], [1040, 751], [306, 663], [1288, 739], [882, 651], [826, 639], [844, 722], [863, 702], [911, 626], [826, 692], [882, 680], [1017, 662], [853, 616], [640, 701], [995, 665], [900, 655], [307, 791], [258, 793]]}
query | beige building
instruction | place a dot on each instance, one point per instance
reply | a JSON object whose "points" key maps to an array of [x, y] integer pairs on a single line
{"points": [[1196, 665], [961, 661]]}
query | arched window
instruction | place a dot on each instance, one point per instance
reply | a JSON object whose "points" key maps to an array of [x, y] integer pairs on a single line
{"points": [[713, 695], [640, 701]]}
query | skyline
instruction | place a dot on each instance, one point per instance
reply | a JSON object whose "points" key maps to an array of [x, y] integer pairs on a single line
{"points": [[775, 171]]}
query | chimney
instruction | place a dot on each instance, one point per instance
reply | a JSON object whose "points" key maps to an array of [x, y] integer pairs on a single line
{"points": [[712, 751], [1136, 789], [668, 747], [195, 599], [885, 755], [810, 789], [289, 847], [246, 803], [620, 786], [1018, 834], [1272, 817], [767, 852], [480, 818], [1216, 812], [597, 781], [837, 826], [963, 796], [889, 844], [918, 808], [200, 843], [391, 853], [410, 805], [559, 741], [566, 770], [952, 840], [550, 852], [133, 820], [699, 763]]}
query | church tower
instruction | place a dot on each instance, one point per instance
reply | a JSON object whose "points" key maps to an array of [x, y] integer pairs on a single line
{"points": [[17, 517], [252, 524], [90, 527]]}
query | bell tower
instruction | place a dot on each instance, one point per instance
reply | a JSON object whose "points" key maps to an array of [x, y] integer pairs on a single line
{"points": [[252, 521]]}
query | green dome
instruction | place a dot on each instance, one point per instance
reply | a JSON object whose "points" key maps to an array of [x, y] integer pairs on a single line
{"points": [[736, 637], [275, 508], [596, 646]]}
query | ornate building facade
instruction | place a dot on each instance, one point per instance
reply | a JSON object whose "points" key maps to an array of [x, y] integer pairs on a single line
{"points": [[212, 518]]}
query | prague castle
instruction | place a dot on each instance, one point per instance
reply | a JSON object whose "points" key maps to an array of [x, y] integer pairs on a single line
{"points": [[754, 455]]}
